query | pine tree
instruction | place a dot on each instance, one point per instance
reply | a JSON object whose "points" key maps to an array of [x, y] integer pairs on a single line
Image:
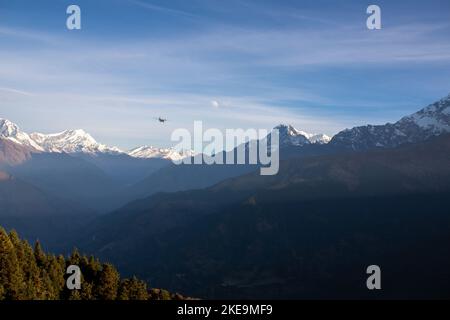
{"points": [[39, 255], [159, 294], [165, 295], [133, 289], [56, 277], [75, 257], [108, 284], [2, 292], [20, 254], [31, 273], [10, 273], [87, 291], [75, 295]]}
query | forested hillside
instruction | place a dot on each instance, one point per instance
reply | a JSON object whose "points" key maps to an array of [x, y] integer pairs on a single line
{"points": [[308, 232], [28, 273]]}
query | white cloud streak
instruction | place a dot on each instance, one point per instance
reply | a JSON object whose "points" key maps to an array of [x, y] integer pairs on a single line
{"points": [[166, 10], [114, 89]]}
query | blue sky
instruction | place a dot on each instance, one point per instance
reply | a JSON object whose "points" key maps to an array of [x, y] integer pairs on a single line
{"points": [[232, 64]]}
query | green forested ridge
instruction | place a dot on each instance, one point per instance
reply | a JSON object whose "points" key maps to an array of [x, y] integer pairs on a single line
{"points": [[28, 273]]}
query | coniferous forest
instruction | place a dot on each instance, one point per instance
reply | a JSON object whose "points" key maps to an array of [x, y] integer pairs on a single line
{"points": [[29, 273]]}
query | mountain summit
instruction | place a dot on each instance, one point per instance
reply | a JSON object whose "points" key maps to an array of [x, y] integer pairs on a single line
{"points": [[10, 131], [432, 120], [160, 153], [290, 136], [72, 141]]}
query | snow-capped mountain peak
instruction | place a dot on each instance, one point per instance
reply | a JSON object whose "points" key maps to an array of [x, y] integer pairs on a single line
{"points": [[7, 128], [292, 136], [160, 153], [435, 117], [319, 138], [10, 131], [72, 141], [430, 121]]}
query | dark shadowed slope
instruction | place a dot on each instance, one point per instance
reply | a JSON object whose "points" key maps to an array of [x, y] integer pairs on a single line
{"points": [[36, 214], [174, 178], [308, 232]]}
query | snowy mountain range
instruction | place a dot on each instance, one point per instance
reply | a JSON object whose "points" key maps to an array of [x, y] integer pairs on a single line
{"points": [[153, 152], [78, 141], [432, 120], [72, 141]]}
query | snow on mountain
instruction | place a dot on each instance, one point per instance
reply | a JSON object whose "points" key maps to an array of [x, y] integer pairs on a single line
{"points": [[435, 118], [432, 120], [152, 152], [79, 141], [290, 136], [316, 138], [320, 138], [72, 141], [12, 132]]}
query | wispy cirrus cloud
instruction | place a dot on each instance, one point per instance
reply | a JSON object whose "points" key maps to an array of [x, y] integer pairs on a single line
{"points": [[161, 9], [14, 91], [26, 34]]}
